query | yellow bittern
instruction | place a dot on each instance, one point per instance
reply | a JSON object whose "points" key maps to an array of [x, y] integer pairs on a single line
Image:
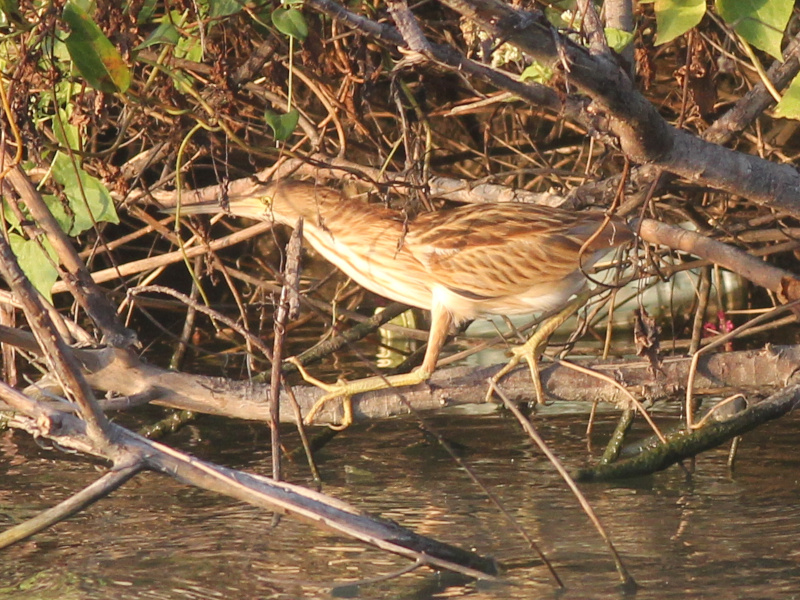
{"points": [[460, 263]]}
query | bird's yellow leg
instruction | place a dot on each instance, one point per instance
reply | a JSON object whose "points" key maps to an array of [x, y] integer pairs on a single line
{"points": [[347, 389], [532, 350], [441, 319]]}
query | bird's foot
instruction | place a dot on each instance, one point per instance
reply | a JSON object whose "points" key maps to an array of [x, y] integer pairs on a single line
{"points": [[347, 389], [333, 391], [532, 350]]}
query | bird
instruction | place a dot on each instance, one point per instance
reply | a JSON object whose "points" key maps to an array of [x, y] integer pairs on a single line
{"points": [[458, 263]]}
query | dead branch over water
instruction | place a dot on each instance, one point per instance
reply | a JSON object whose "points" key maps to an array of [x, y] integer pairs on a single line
{"points": [[133, 382]]}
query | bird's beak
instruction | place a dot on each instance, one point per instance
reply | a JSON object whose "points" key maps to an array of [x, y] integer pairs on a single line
{"points": [[251, 207]]}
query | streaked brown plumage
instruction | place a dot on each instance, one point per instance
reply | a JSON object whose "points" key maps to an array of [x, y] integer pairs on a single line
{"points": [[459, 263]]}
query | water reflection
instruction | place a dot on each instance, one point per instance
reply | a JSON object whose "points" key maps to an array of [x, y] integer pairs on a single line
{"points": [[714, 534]]}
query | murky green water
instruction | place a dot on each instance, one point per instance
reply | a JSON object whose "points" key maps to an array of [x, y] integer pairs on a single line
{"points": [[716, 534]]}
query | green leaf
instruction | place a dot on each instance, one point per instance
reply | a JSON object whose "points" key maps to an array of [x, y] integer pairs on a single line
{"points": [[35, 263], [11, 216], [88, 198], [676, 17], [291, 22], [537, 72], [759, 22], [189, 48], [618, 39], [87, 6], [789, 106], [146, 12], [223, 8], [282, 125], [93, 53], [59, 212], [66, 133], [166, 33]]}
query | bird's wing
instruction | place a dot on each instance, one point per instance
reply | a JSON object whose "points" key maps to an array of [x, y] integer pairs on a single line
{"points": [[501, 250]]}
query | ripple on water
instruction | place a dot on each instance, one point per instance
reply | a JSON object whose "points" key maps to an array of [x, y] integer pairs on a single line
{"points": [[715, 534]]}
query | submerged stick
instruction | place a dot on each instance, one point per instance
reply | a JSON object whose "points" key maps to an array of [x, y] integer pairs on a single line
{"points": [[686, 445]]}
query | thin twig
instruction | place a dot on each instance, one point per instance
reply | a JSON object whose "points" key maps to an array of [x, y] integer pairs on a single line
{"points": [[198, 306], [627, 580]]}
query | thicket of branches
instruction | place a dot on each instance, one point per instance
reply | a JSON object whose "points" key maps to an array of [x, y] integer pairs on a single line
{"points": [[111, 110]]}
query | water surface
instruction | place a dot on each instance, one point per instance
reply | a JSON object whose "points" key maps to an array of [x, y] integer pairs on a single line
{"points": [[714, 534]]}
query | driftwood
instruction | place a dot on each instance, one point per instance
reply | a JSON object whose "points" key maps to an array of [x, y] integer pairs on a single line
{"points": [[122, 373]]}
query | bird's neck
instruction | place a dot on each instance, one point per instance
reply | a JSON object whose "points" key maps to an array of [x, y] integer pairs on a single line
{"points": [[325, 210]]}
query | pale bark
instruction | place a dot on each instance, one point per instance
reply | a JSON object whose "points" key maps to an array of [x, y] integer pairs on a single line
{"points": [[124, 375]]}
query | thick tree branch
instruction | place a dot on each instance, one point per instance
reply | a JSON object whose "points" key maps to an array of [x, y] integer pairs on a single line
{"points": [[618, 108], [724, 255], [743, 113], [123, 374]]}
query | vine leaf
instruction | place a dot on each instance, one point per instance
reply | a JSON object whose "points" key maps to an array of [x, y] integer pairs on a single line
{"points": [[88, 199], [282, 125], [93, 54], [789, 106], [224, 8], [291, 22], [760, 23], [34, 261], [618, 39], [676, 17]]}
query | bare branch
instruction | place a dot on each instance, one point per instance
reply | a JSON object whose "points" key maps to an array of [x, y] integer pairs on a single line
{"points": [[58, 355], [733, 259], [122, 373], [618, 108], [300, 503], [71, 506]]}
